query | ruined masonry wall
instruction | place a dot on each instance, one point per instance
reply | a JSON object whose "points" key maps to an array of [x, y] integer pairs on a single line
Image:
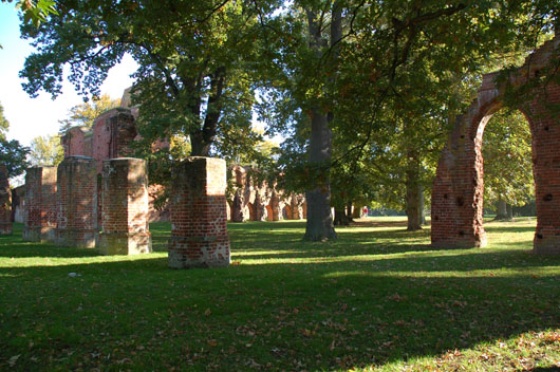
{"points": [[112, 134], [76, 200], [5, 202], [40, 198], [198, 214], [124, 211], [457, 195]]}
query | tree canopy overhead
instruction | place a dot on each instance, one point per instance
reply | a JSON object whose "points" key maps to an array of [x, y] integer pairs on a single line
{"points": [[192, 58]]}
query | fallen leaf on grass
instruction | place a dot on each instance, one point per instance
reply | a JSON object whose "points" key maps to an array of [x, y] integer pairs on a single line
{"points": [[13, 360]]}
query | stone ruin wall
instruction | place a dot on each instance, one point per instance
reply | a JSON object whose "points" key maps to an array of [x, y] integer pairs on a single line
{"points": [[248, 199], [198, 213], [457, 194], [251, 199], [5, 202], [40, 209], [124, 211]]}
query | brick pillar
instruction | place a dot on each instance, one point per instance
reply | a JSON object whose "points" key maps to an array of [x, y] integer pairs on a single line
{"points": [[124, 211], [275, 210], [40, 203], [198, 214], [546, 168], [76, 202], [5, 202]]}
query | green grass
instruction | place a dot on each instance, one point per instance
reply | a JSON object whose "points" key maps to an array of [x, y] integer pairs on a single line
{"points": [[377, 299]]}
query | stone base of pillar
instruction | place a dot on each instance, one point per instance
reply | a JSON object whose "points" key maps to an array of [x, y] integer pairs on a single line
{"points": [[6, 228], [123, 243], [75, 238], [201, 252], [39, 234]]}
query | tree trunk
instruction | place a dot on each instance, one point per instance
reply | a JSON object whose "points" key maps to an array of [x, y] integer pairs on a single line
{"points": [[319, 225], [422, 205], [502, 211], [413, 194], [340, 217]]}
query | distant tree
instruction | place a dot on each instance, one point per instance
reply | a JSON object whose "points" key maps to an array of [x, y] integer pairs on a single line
{"points": [[14, 156], [508, 175], [12, 153], [46, 150], [4, 124], [84, 114]]}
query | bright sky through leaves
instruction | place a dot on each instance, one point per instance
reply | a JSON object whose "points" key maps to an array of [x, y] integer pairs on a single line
{"points": [[29, 117]]}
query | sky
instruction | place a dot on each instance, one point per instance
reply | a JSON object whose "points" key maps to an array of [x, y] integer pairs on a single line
{"points": [[32, 117]]}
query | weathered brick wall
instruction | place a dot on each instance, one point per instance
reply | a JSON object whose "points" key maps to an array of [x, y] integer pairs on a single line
{"points": [[76, 202], [457, 195], [74, 141], [546, 170], [252, 200], [5, 202], [112, 134], [198, 214], [40, 204], [124, 210]]}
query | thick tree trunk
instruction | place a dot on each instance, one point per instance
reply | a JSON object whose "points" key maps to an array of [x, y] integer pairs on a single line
{"points": [[319, 225]]}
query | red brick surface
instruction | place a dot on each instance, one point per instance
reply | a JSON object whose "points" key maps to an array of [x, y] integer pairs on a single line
{"points": [[76, 202], [457, 195], [198, 214], [5, 202], [124, 212], [40, 204]]}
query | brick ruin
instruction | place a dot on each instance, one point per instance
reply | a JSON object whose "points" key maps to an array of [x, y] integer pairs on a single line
{"points": [[5, 202], [252, 199], [124, 208], [457, 195], [40, 199], [198, 214], [76, 220]]}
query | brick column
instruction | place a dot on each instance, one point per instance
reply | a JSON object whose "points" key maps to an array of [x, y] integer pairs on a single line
{"points": [[76, 202], [124, 211], [546, 169], [198, 214], [40, 204], [5, 202]]}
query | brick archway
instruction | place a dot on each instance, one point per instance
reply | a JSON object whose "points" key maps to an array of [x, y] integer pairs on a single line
{"points": [[457, 195]]}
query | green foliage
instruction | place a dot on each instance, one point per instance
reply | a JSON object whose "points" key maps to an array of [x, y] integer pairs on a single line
{"points": [[35, 12], [84, 114], [14, 156], [4, 124], [508, 173], [46, 151], [193, 61]]}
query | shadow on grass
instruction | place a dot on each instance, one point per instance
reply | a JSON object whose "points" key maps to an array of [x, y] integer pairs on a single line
{"points": [[335, 306], [280, 316]]}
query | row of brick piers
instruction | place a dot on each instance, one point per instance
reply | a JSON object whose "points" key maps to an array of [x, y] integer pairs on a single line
{"points": [[73, 205]]}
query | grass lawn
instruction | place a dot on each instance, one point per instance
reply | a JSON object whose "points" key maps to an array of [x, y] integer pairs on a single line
{"points": [[377, 299]]}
